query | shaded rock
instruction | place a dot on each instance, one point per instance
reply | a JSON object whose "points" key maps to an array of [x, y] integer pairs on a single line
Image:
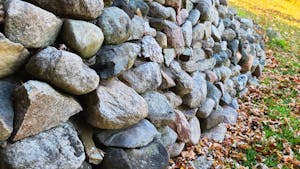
{"points": [[207, 29], [135, 136], [205, 8], [158, 11], [59, 147], [182, 15], [153, 156], [198, 34], [214, 93], [6, 110], [115, 24], [195, 130], [182, 127], [215, 34], [131, 6], [217, 133], [85, 165], [175, 149], [187, 33], [216, 117], [83, 37], [113, 105], [188, 112], [194, 16], [206, 108], [12, 55], [169, 55], [161, 112], [77, 9], [168, 136], [144, 77], [174, 3], [201, 65], [139, 29], [151, 49], [161, 39], [174, 34], [211, 76], [167, 81], [43, 29], [173, 99], [202, 163], [38, 107], [242, 81], [228, 34], [112, 60], [64, 70], [230, 115]]}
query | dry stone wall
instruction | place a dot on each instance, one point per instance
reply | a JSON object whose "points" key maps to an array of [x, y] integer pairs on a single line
{"points": [[119, 84]]}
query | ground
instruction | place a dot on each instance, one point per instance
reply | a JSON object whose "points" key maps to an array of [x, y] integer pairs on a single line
{"points": [[268, 130]]}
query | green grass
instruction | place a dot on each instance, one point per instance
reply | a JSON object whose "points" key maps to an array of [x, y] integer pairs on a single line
{"points": [[251, 157]]}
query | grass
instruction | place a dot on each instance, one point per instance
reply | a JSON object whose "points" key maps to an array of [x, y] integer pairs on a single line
{"points": [[280, 98]]}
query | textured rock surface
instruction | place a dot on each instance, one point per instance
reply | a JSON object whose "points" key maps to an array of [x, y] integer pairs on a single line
{"points": [[182, 127], [38, 107], [168, 136], [77, 9], [64, 70], [43, 29], [6, 110], [135, 136], [12, 56], [195, 130], [151, 49], [59, 147], [216, 133], [83, 37], [113, 105]]}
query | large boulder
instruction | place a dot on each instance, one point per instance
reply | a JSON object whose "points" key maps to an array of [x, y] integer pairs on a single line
{"points": [[113, 60], [144, 77], [30, 25], [161, 112], [59, 147], [113, 105], [6, 110], [115, 24], [135, 136], [39, 107], [12, 56], [64, 70], [76, 9], [83, 37]]}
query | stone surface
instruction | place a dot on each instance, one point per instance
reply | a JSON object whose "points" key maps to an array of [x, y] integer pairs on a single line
{"points": [[206, 108], [187, 30], [113, 60], [195, 130], [167, 81], [205, 8], [131, 6], [161, 112], [6, 110], [153, 156], [175, 149], [168, 136], [229, 34], [216, 117], [113, 20], [77, 9], [214, 93], [139, 29], [59, 147], [113, 105], [151, 49], [64, 70], [83, 37], [194, 16], [198, 34], [230, 115], [173, 99], [174, 34], [202, 163], [43, 29], [38, 107], [173, 3], [144, 77], [158, 11], [135, 136], [161, 39], [217, 133], [169, 55], [12, 56], [182, 127]]}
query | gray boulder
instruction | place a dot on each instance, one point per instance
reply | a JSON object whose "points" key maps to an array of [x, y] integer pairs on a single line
{"points": [[206, 108], [113, 105], [43, 29], [64, 70], [135, 136], [59, 147], [230, 115], [115, 24], [38, 107], [215, 118], [168, 136], [216, 133], [151, 49]]}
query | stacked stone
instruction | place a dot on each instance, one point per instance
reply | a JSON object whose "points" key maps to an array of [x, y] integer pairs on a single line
{"points": [[119, 84]]}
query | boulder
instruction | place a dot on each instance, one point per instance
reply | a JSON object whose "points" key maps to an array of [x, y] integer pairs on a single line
{"points": [[12, 56], [173, 99], [216, 133], [135, 136], [214, 93], [161, 39], [83, 37], [195, 130], [38, 107], [64, 70], [168, 136], [131, 6], [182, 127], [113, 20], [43, 29], [145, 77], [59, 147], [151, 49], [230, 115], [187, 30], [194, 16], [206, 108], [158, 11], [113, 105], [76, 9], [216, 117], [175, 149], [161, 112]]}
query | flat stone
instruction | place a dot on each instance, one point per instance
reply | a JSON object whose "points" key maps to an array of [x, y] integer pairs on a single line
{"points": [[83, 37], [144, 77], [6, 110], [168, 136], [43, 29], [217, 133], [58, 147], [207, 29], [12, 56], [151, 49], [161, 112], [112, 60], [76, 9], [195, 130], [135, 136], [113, 20], [38, 107], [113, 105], [216, 117], [215, 34], [64, 70], [202, 65], [206, 108]]}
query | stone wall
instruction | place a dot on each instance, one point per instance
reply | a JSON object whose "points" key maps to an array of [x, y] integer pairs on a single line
{"points": [[121, 84]]}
